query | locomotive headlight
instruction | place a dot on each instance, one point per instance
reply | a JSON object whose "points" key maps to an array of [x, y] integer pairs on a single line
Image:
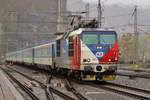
{"points": [[88, 60], [116, 58], [109, 59], [84, 60], [98, 47]]}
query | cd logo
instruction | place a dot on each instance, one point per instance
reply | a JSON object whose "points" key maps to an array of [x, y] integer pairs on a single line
{"points": [[99, 54]]}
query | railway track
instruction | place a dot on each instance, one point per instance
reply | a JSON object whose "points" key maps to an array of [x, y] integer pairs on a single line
{"points": [[123, 86], [22, 86], [129, 91], [49, 89], [133, 75], [74, 91], [47, 93], [117, 88], [125, 90], [135, 69]]}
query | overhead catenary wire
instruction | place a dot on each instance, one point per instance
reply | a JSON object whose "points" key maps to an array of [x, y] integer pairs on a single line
{"points": [[121, 15]]}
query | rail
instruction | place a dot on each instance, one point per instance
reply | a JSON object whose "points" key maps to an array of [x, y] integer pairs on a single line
{"points": [[49, 89], [120, 89], [74, 91], [133, 75], [23, 87]]}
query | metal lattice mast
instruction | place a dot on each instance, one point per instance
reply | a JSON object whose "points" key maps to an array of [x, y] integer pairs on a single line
{"points": [[99, 14], [87, 7], [136, 35]]}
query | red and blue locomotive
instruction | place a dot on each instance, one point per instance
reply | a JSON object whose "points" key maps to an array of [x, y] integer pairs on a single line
{"points": [[91, 53]]}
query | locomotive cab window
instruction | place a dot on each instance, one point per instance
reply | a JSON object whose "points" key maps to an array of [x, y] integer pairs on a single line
{"points": [[107, 38], [71, 50], [58, 48], [90, 38]]}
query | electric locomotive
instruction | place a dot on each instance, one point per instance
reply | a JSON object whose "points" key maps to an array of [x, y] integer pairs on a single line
{"points": [[88, 53]]}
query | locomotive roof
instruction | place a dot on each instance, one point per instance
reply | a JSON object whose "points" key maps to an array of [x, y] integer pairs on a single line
{"points": [[78, 31], [89, 29]]}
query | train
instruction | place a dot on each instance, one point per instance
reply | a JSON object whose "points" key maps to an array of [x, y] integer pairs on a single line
{"points": [[84, 53]]}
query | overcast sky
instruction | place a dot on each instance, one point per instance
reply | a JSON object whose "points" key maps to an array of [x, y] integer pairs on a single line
{"points": [[126, 2]]}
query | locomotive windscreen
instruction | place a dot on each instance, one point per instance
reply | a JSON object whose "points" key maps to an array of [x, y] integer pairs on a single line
{"points": [[99, 37], [90, 38], [107, 38]]}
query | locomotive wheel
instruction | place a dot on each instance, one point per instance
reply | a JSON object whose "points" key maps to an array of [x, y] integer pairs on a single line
{"points": [[60, 71], [78, 75], [70, 74]]}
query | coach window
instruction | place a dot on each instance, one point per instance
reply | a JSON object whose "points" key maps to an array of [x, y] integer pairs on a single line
{"points": [[44, 52], [47, 51], [71, 51], [58, 48]]}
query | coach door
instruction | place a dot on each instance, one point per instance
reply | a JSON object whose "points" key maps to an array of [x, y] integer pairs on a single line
{"points": [[75, 51]]}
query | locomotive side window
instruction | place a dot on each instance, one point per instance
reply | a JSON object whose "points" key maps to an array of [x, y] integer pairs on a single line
{"points": [[71, 51], [58, 48]]}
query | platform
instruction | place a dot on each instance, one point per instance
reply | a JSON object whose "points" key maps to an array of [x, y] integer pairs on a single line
{"points": [[7, 89]]}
